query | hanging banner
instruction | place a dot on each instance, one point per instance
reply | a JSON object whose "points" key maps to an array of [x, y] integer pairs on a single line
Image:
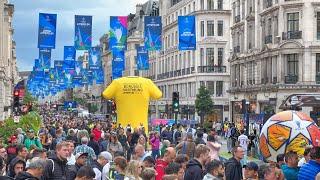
{"points": [[95, 61], [118, 33], [118, 64], [78, 73], [152, 33], [142, 58], [52, 78], [58, 64], [187, 33], [47, 30], [90, 76], [36, 66], [84, 79], [69, 53], [99, 76], [45, 59], [83, 32], [68, 69]]}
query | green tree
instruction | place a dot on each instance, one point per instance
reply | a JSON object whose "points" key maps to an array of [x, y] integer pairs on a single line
{"points": [[204, 103], [28, 98], [92, 108]]}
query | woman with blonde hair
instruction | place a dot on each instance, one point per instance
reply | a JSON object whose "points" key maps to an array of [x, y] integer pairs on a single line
{"points": [[142, 141], [133, 170]]}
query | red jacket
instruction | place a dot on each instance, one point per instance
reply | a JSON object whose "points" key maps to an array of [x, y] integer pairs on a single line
{"points": [[160, 166], [97, 134]]}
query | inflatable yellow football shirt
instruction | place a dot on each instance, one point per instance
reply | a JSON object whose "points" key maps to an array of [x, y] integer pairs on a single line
{"points": [[132, 95]]}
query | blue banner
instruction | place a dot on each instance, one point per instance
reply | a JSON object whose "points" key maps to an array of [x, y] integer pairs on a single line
{"points": [[83, 32], [69, 53], [36, 66], [95, 61], [45, 58], [58, 64], [47, 30], [70, 104], [142, 58], [99, 76], [187, 33], [78, 70], [152, 32], [118, 64], [52, 78], [118, 33], [68, 69], [78, 73]]}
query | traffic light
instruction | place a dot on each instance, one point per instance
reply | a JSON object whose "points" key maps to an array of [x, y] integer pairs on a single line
{"points": [[16, 102], [175, 101]]}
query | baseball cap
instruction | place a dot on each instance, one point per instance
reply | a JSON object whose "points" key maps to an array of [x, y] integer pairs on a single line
{"points": [[106, 155], [80, 154], [252, 166]]}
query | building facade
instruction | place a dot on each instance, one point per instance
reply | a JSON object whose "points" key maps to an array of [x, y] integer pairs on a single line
{"points": [[275, 53], [185, 71], [8, 64]]}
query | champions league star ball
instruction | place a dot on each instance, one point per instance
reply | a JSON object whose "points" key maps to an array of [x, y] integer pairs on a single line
{"points": [[288, 131]]}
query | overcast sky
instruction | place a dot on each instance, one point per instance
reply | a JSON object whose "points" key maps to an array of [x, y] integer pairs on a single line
{"points": [[26, 16]]}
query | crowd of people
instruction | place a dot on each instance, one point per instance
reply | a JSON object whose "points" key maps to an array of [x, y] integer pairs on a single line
{"points": [[68, 147]]}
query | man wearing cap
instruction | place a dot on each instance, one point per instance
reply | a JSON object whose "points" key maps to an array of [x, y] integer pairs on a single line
{"points": [[34, 171], [85, 148], [215, 170], [104, 158], [81, 159], [251, 171], [31, 139]]}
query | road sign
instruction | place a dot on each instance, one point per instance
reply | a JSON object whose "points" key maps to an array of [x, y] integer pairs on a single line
{"points": [[16, 119]]}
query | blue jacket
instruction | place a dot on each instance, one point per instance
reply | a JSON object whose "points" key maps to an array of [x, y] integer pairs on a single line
{"points": [[309, 170]]}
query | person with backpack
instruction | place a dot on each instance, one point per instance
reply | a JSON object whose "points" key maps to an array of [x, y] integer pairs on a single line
{"points": [[187, 147], [56, 167]]}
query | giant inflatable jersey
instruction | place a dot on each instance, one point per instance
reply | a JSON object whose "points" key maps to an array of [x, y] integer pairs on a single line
{"points": [[132, 95]]}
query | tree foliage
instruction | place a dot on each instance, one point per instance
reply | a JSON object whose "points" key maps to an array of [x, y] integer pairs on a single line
{"points": [[28, 98], [203, 103], [32, 120]]}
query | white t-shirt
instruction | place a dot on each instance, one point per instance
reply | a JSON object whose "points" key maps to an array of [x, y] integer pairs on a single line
{"points": [[243, 141], [105, 171], [301, 162]]}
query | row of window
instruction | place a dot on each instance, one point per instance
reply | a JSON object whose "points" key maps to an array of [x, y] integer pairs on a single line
{"points": [[187, 59], [216, 89], [210, 28], [191, 7], [171, 40]]}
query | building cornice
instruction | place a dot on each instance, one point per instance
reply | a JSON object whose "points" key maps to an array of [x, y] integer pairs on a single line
{"points": [[292, 4], [269, 10]]}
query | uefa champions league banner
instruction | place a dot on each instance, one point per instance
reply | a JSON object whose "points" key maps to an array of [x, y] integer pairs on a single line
{"points": [[45, 59], [58, 64], [95, 61], [78, 73], [68, 69], [36, 66], [47, 30], [69, 53], [152, 33], [142, 58], [187, 33], [118, 33], [52, 78], [118, 64], [83, 32], [99, 76]]}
